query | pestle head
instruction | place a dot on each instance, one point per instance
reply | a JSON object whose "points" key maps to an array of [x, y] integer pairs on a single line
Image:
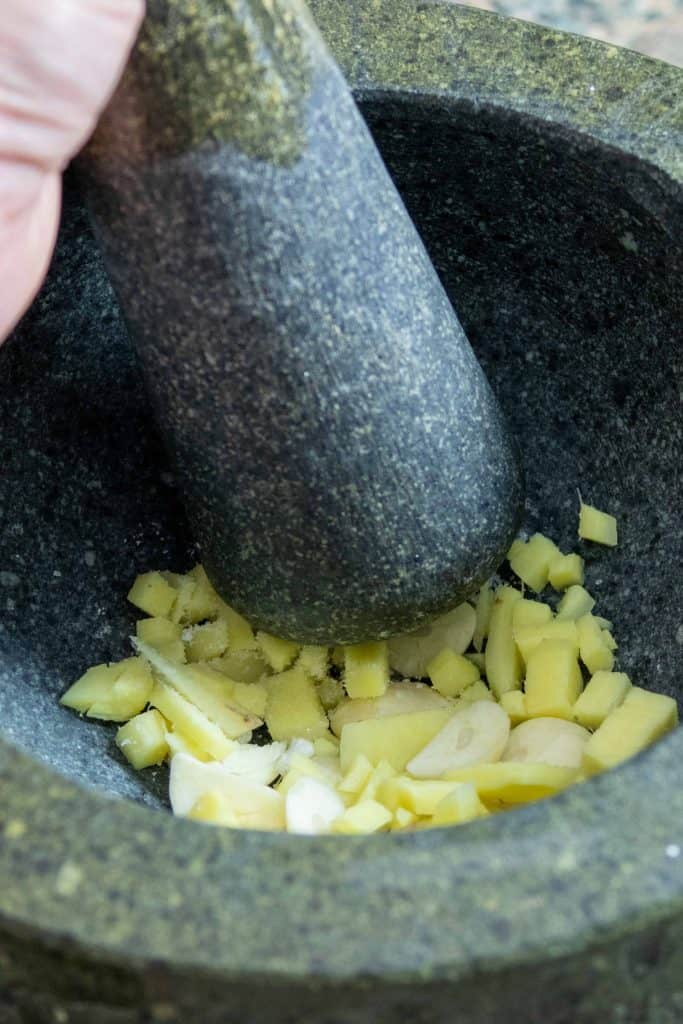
{"points": [[346, 467]]}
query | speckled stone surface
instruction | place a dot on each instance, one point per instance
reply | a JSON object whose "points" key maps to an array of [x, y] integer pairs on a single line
{"points": [[347, 469], [544, 203]]}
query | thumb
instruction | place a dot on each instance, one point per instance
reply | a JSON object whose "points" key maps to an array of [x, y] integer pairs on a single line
{"points": [[59, 64]]}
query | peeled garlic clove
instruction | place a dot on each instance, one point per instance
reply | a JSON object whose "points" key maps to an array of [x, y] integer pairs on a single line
{"points": [[311, 807], [399, 699], [410, 653], [258, 764], [253, 803], [295, 748], [475, 734], [547, 741]]}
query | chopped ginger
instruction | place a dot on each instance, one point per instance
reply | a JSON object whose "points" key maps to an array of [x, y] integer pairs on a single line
{"points": [[142, 740], [596, 653], [111, 692], [575, 602], [361, 819], [209, 640], [152, 594], [451, 673], [278, 653], [605, 692], [294, 707], [366, 669], [597, 526], [553, 680], [503, 663], [639, 721], [389, 753], [566, 571], [532, 561]]}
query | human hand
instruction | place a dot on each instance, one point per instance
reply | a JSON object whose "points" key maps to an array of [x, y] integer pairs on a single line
{"points": [[60, 61]]}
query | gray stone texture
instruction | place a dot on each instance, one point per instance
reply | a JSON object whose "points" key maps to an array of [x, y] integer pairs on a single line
{"points": [[544, 174]]}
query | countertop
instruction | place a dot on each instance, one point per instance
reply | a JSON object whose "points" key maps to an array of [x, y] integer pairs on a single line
{"points": [[654, 27]]}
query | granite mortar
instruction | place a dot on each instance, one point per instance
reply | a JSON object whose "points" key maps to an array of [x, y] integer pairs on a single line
{"points": [[544, 173]]}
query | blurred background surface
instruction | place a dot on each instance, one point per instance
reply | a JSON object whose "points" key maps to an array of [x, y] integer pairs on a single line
{"points": [[654, 27]]}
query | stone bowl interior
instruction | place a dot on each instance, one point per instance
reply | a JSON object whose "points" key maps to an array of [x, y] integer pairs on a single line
{"points": [[565, 277], [543, 172]]}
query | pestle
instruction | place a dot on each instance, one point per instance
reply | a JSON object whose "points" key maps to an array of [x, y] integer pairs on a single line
{"points": [[346, 468]]}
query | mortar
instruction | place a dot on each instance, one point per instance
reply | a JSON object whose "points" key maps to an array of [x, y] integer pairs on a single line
{"points": [[544, 174]]}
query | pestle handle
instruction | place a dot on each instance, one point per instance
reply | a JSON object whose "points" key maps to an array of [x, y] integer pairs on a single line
{"points": [[346, 468]]}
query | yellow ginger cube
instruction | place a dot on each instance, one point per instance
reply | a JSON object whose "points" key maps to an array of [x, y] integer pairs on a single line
{"points": [[460, 805], [479, 691], [190, 722], [204, 601], [402, 819], [209, 691], [503, 663], [527, 638], [240, 632], [357, 775], [114, 693], [326, 746], [294, 708], [251, 697], [248, 696], [158, 632], [93, 686], [530, 613], [165, 636], [245, 666], [331, 692], [634, 725], [178, 743], [208, 641], [196, 600], [396, 739], [566, 571], [366, 669], [514, 703], [278, 653], [420, 796], [532, 561], [515, 782], [553, 680], [241, 804], [482, 611], [575, 603], [603, 693], [152, 594], [363, 818], [597, 526], [451, 673], [376, 780], [314, 660], [175, 651], [184, 587], [595, 652], [142, 740]]}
